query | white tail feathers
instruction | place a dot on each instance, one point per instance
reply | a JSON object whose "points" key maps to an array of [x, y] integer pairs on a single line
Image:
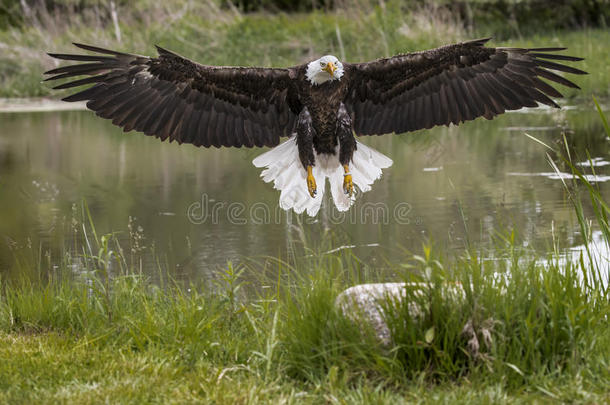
{"points": [[284, 168]]}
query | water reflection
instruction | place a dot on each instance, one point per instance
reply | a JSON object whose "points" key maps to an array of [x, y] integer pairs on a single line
{"points": [[595, 256], [458, 186]]}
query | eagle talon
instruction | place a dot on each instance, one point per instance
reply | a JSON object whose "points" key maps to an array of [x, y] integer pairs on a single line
{"points": [[348, 184], [311, 183]]}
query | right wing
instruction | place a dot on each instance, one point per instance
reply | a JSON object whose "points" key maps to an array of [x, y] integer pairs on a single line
{"points": [[451, 84]]}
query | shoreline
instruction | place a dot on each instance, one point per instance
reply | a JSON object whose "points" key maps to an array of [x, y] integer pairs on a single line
{"points": [[38, 104], [46, 104]]}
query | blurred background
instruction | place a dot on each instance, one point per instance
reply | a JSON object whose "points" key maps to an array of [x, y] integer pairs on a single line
{"points": [[284, 32]]}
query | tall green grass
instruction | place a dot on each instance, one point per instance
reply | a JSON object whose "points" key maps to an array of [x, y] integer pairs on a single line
{"points": [[517, 324]]}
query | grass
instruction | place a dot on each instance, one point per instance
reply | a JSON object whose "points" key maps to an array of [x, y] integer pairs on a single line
{"points": [[73, 341], [220, 36], [526, 328]]}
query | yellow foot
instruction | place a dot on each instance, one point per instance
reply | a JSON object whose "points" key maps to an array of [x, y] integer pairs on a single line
{"points": [[348, 185], [311, 183]]}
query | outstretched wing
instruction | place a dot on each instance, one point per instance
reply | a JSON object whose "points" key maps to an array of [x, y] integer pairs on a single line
{"points": [[174, 98], [451, 84]]}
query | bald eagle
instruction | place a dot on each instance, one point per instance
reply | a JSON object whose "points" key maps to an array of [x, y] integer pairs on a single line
{"points": [[319, 105]]}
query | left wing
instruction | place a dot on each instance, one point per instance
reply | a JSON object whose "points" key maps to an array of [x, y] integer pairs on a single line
{"points": [[451, 84]]}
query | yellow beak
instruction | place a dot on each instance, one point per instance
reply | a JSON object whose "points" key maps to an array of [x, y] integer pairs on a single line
{"points": [[330, 68]]}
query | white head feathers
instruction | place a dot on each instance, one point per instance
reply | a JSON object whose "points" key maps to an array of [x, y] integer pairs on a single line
{"points": [[324, 69]]}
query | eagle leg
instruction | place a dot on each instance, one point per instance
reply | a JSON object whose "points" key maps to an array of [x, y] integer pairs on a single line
{"points": [[347, 146], [305, 133]]}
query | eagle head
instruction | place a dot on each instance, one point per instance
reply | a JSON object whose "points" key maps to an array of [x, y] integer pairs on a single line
{"points": [[324, 69]]}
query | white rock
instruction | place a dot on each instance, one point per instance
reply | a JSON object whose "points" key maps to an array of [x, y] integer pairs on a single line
{"points": [[366, 303]]}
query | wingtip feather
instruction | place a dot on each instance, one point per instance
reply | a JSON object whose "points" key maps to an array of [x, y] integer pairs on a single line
{"points": [[480, 41], [163, 51], [97, 49]]}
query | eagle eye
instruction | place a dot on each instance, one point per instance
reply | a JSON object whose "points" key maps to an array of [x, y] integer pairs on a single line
{"points": [[322, 63]]}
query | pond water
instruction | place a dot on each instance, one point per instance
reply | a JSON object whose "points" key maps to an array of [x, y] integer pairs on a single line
{"points": [[196, 208]]}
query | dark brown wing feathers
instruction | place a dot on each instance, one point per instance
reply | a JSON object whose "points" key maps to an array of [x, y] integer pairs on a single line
{"points": [[174, 98], [452, 84]]}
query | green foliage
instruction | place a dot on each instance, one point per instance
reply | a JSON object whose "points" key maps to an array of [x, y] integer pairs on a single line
{"points": [[318, 339], [529, 13], [509, 18], [518, 315], [10, 14]]}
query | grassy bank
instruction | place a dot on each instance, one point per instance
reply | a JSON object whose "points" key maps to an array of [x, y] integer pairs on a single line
{"points": [[224, 36], [67, 343], [543, 335], [92, 329]]}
